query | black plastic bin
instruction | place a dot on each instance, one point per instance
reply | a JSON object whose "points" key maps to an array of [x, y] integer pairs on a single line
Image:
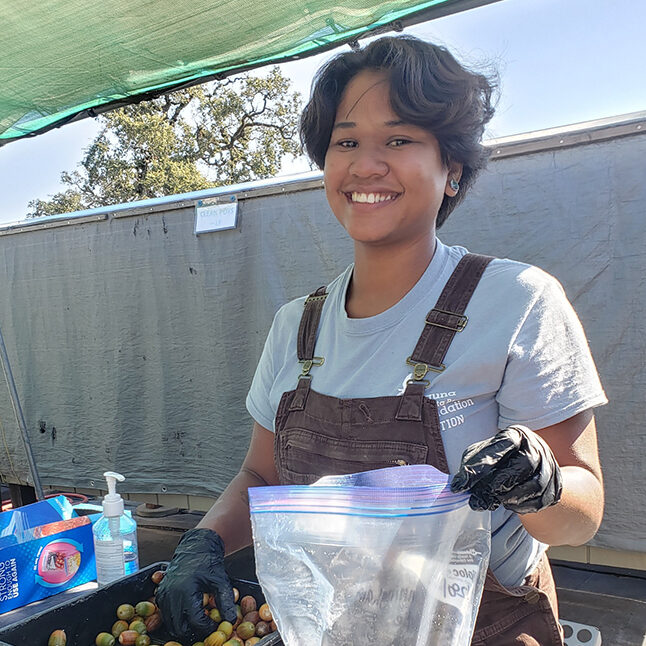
{"points": [[85, 617]]}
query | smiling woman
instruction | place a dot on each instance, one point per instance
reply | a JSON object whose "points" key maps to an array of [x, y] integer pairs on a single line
{"points": [[355, 376], [416, 87], [397, 131]]}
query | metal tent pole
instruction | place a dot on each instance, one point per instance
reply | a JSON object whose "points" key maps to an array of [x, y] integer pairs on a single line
{"points": [[20, 418]]}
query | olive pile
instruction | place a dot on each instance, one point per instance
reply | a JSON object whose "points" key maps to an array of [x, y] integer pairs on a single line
{"points": [[134, 623], [252, 624]]}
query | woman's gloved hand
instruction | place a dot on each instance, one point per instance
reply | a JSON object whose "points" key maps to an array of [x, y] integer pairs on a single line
{"points": [[197, 567], [515, 468]]}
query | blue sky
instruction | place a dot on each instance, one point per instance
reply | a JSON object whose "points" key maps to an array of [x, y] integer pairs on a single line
{"points": [[559, 61]]}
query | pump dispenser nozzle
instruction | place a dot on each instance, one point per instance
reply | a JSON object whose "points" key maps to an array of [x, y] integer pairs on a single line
{"points": [[112, 501]]}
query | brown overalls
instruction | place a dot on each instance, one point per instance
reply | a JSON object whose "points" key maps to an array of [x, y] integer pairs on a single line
{"points": [[319, 435]]}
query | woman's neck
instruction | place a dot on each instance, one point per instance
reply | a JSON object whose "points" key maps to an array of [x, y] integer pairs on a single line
{"points": [[383, 276]]}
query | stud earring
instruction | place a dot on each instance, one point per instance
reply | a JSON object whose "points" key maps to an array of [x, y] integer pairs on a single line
{"points": [[454, 185]]}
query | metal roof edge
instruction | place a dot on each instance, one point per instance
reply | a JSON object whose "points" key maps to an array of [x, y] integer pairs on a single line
{"points": [[246, 190], [520, 144], [575, 134]]}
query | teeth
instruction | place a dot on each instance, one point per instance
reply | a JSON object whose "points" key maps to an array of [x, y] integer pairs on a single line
{"points": [[370, 198]]}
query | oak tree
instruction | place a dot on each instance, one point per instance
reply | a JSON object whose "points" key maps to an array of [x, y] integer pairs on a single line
{"points": [[222, 132]]}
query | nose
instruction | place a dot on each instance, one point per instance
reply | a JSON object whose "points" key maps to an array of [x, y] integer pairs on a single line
{"points": [[368, 162]]}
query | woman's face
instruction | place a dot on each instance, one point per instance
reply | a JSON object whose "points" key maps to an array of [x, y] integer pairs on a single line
{"points": [[384, 179]]}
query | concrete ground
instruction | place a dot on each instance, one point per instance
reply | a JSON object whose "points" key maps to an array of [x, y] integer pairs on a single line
{"points": [[614, 603]]}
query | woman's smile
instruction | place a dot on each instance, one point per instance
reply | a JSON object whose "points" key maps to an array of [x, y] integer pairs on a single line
{"points": [[370, 197]]}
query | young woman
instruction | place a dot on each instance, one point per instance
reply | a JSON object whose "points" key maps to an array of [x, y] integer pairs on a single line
{"points": [[418, 352]]}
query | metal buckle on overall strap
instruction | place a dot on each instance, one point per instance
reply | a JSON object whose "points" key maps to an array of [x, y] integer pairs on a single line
{"points": [[314, 298], [420, 370], [308, 363], [460, 324]]}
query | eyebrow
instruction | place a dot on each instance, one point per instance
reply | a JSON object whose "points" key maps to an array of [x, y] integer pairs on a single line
{"points": [[352, 124]]}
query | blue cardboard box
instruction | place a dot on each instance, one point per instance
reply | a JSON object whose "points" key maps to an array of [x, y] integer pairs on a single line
{"points": [[45, 548]]}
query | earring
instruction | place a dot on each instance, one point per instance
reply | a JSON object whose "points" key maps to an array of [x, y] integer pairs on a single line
{"points": [[454, 185]]}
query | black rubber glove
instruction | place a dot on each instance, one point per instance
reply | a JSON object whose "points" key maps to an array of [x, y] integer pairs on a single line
{"points": [[515, 468], [197, 567]]}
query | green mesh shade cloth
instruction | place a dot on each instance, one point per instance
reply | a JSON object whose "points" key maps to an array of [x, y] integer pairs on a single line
{"points": [[62, 60]]}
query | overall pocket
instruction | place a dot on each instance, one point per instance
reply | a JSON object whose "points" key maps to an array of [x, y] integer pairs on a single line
{"points": [[304, 456]]}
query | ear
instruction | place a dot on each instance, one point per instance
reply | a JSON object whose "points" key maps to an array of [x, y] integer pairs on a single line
{"points": [[453, 176]]}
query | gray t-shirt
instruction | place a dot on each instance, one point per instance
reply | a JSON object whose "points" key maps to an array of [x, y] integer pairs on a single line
{"points": [[523, 358]]}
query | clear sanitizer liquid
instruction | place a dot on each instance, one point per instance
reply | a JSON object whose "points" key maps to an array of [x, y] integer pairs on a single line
{"points": [[115, 537]]}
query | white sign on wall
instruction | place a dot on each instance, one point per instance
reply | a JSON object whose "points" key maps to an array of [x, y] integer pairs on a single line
{"points": [[216, 214]]}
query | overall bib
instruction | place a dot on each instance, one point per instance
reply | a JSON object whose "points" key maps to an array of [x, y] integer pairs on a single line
{"points": [[319, 435]]}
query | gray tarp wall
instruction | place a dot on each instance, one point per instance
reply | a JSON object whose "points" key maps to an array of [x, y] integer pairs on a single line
{"points": [[133, 341]]}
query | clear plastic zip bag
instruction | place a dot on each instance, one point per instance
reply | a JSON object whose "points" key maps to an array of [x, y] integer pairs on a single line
{"points": [[381, 557]]}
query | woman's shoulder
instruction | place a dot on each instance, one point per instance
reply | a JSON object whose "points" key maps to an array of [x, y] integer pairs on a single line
{"points": [[512, 284], [504, 273], [508, 273]]}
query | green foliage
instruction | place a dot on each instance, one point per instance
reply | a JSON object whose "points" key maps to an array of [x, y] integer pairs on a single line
{"points": [[222, 132], [64, 202]]}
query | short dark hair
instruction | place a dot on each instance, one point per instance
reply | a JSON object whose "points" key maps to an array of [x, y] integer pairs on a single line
{"points": [[428, 88]]}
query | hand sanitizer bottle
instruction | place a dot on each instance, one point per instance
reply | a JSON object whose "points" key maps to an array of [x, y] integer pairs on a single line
{"points": [[115, 536]]}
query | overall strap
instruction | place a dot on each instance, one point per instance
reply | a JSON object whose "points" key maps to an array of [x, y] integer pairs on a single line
{"points": [[305, 342], [308, 328], [443, 322], [447, 318]]}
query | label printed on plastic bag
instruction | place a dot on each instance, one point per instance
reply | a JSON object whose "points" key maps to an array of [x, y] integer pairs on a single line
{"points": [[461, 576], [458, 584]]}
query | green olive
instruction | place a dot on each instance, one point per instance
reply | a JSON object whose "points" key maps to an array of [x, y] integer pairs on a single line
{"points": [[57, 638], [227, 628], [145, 609], [139, 626], [125, 611], [216, 638], [142, 640], [246, 630], [105, 639], [118, 627]]}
